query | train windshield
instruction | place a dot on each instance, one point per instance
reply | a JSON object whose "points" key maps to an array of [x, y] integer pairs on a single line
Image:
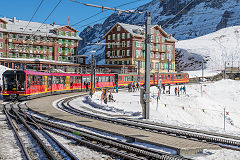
{"points": [[14, 81]]}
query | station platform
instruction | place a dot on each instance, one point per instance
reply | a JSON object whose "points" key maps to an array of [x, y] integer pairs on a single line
{"points": [[182, 146]]}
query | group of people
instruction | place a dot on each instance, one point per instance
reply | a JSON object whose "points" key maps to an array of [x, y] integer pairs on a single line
{"points": [[107, 96], [180, 90], [133, 87]]}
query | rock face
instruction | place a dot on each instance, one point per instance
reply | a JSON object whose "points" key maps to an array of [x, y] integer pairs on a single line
{"points": [[197, 19]]}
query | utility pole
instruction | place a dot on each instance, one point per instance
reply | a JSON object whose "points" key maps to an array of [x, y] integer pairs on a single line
{"points": [[95, 63], [147, 65], [225, 70], [138, 79], [91, 90]]}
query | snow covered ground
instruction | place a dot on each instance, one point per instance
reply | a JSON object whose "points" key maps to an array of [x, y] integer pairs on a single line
{"points": [[194, 110]]}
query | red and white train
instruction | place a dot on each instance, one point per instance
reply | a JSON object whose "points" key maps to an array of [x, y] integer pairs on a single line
{"points": [[23, 84]]}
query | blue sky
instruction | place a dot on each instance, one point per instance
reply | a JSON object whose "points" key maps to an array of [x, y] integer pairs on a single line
{"points": [[24, 10]]}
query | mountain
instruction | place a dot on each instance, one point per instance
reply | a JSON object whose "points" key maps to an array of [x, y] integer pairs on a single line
{"points": [[199, 18], [213, 49]]}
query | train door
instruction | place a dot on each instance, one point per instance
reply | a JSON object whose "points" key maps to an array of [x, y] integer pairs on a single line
{"points": [[68, 82], [172, 77], [46, 83]]}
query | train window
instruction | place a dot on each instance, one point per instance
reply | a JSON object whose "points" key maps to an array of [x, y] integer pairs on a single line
{"points": [[156, 77], [187, 76], [119, 78], [168, 76], [125, 78], [179, 76], [14, 81], [160, 77], [107, 79], [151, 77], [129, 78]]}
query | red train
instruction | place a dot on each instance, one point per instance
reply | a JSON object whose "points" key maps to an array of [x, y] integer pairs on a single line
{"points": [[23, 85]]}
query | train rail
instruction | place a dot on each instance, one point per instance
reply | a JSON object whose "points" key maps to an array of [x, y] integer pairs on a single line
{"points": [[55, 151], [116, 148], [224, 141]]}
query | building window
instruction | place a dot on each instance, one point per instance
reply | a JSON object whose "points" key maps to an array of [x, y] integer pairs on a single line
{"points": [[128, 52], [123, 52], [118, 28], [59, 58], [118, 36], [128, 43], [108, 53], [1, 54], [17, 55], [152, 30], [113, 53], [59, 50], [9, 55], [162, 56], [128, 35], [118, 53], [24, 56], [113, 36], [38, 48], [50, 49], [163, 39], [109, 45], [1, 35], [123, 44], [72, 51], [60, 41], [1, 45], [123, 35], [66, 33], [163, 47], [109, 37]]}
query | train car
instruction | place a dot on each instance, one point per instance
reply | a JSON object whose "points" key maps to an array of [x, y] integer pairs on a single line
{"points": [[23, 85], [19, 84], [166, 78]]}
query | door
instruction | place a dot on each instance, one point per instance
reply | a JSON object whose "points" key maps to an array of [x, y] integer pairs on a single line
{"points": [[68, 82]]}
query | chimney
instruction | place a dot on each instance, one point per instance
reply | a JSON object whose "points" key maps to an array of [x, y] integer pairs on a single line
{"points": [[14, 19], [53, 23]]}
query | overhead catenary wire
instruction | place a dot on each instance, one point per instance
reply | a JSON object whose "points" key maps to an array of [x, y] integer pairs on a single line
{"points": [[34, 14], [48, 16], [104, 11]]}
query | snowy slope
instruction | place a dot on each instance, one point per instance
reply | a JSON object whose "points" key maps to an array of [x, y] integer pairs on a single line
{"points": [[199, 18], [215, 49]]}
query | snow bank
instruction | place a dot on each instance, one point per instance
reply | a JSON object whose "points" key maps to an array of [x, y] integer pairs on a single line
{"points": [[2, 69]]}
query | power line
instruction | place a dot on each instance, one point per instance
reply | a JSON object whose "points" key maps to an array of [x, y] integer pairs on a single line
{"points": [[178, 12], [48, 16], [104, 11], [34, 14]]}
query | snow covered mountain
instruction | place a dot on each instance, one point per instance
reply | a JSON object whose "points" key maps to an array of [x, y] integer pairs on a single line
{"points": [[199, 18], [215, 49]]}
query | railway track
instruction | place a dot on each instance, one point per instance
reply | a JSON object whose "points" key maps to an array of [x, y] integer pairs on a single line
{"points": [[113, 147], [48, 145], [224, 141]]}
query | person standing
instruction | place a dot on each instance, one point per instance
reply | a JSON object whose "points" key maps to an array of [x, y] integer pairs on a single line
{"points": [[117, 87], [178, 91], [137, 86], [184, 89], [175, 91], [181, 89], [163, 89]]}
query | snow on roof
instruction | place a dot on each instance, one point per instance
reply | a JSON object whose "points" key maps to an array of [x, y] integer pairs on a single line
{"points": [[18, 26], [136, 30]]}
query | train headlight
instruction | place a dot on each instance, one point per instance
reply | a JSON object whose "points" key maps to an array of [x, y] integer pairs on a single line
{"points": [[22, 89]]}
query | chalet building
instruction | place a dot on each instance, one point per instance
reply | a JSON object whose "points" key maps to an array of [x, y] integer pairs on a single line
{"points": [[125, 47], [50, 44]]}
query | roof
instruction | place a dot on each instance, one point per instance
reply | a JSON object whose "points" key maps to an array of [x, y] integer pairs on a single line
{"points": [[136, 30], [18, 26]]}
